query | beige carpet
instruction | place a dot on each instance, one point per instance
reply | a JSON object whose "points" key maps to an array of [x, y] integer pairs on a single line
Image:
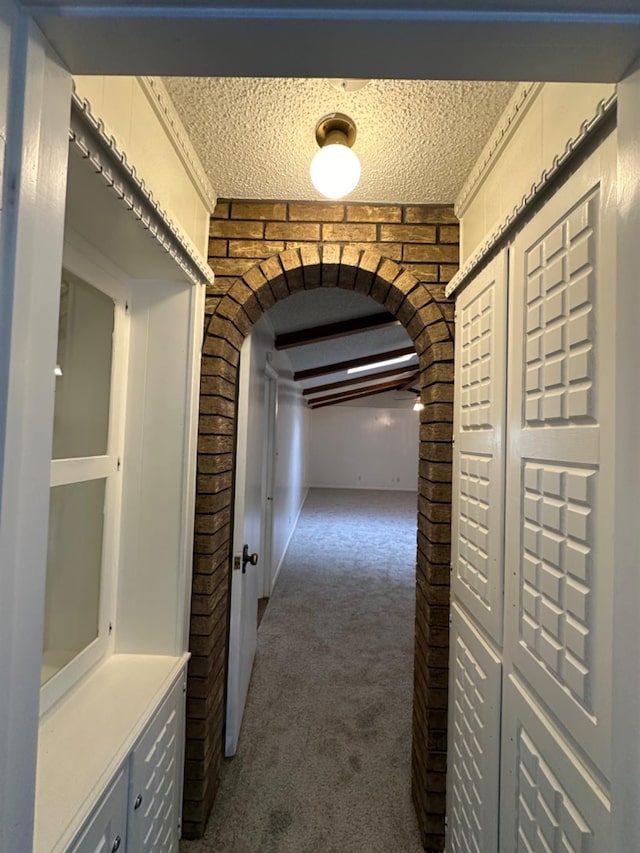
{"points": [[323, 764]]}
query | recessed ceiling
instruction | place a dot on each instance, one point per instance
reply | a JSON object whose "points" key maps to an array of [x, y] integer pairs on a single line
{"points": [[417, 139]]}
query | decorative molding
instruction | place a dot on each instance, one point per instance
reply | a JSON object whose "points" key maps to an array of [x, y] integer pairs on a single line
{"points": [[88, 134], [523, 97], [164, 108], [605, 108]]}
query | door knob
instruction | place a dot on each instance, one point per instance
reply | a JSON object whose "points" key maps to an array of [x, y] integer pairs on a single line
{"points": [[248, 558]]}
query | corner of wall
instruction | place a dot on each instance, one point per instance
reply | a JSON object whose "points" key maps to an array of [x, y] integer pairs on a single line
{"points": [[540, 123]]}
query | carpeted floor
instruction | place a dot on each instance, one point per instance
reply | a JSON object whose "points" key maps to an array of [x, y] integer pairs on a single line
{"points": [[323, 764]]}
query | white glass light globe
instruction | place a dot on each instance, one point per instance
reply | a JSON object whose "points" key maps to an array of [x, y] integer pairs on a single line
{"points": [[335, 170]]}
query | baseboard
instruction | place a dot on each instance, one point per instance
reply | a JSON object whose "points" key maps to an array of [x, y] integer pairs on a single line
{"points": [[368, 488], [288, 542]]}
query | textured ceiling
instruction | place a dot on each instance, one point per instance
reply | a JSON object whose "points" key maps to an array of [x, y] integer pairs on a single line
{"points": [[417, 140]]}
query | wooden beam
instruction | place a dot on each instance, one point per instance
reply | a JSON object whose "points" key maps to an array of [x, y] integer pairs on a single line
{"points": [[346, 399], [355, 380], [346, 395], [328, 332], [411, 380], [356, 362]]}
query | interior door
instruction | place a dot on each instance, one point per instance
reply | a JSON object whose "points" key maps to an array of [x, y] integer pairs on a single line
{"points": [[532, 547], [246, 531], [477, 564], [556, 731]]}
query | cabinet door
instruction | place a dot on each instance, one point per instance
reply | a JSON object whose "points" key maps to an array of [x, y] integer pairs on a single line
{"points": [[479, 414], [106, 830], [475, 665], [474, 740], [156, 775], [559, 519]]}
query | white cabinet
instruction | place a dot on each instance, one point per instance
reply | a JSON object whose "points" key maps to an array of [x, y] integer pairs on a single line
{"points": [[140, 811], [155, 780], [532, 581], [106, 830]]}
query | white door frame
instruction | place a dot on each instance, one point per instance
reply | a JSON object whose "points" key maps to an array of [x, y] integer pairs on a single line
{"points": [[35, 170], [32, 224]]}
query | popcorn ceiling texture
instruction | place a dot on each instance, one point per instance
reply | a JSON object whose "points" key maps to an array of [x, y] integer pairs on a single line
{"points": [[417, 139]]}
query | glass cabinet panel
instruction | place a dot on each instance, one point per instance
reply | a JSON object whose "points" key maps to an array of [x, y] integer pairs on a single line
{"points": [[83, 370], [81, 471], [74, 567]]}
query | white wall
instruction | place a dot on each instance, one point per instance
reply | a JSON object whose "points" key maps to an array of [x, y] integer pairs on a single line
{"points": [[290, 443], [525, 144], [364, 448], [156, 145]]}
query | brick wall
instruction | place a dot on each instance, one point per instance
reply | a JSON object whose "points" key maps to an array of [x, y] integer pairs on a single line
{"points": [[424, 239], [261, 252]]}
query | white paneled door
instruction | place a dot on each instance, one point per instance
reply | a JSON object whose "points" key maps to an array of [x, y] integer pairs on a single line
{"points": [[533, 521], [556, 761], [477, 577]]}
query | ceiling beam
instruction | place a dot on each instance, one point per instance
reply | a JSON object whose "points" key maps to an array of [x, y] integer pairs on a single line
{"points": [[370, 391], [384, 386], [346, 365], [356, 380], [330, 331], [572, 40]]}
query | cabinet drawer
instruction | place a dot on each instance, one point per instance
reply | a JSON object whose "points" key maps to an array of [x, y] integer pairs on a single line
{"points": [[106, 829]]}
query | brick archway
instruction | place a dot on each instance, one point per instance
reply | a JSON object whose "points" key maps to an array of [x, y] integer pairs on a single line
{"points": [[428, 319]]}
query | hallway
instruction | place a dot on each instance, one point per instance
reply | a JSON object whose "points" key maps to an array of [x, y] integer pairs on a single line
{"points": [[324, 757]]}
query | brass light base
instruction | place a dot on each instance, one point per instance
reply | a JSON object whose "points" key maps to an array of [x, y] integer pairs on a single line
{"points": [[336, 123]]}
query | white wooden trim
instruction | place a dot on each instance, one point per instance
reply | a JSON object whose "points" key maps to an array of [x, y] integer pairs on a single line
{"points": [[87, 133], [517, 108], [167, 115], [192, 408], [605, 108], [626, 535], [67, 471], [36, 161]]}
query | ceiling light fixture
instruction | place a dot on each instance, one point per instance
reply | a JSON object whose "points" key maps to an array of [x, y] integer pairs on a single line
{"points": [[418, 406], [335, 169], [397, 360]]}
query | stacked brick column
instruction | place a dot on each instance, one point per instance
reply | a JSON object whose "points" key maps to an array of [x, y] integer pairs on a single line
{"points": [[261, 252]]}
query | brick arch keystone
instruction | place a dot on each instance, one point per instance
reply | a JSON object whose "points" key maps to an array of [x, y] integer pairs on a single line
{"points": [[428, 319]]}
